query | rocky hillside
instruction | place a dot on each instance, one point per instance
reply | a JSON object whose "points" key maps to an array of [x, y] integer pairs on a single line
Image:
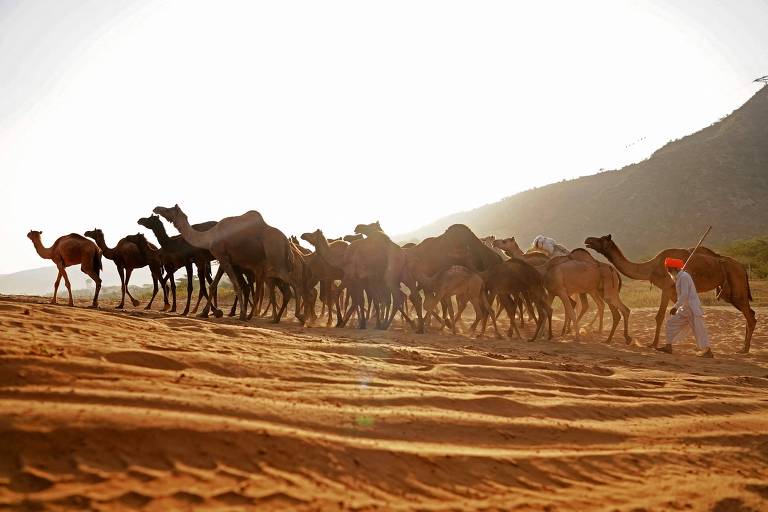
{"points": [[716, 176]]}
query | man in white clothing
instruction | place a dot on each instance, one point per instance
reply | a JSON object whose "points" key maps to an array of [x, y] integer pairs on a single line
{"points": [[686, 314]]}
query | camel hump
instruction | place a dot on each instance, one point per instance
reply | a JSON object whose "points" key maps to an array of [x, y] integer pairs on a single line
{"points": [[581, 254], [705, 250], [557, 260], [77, 236]]}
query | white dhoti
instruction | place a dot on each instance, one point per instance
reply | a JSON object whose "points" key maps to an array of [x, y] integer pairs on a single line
{"points": [[680, 325]]}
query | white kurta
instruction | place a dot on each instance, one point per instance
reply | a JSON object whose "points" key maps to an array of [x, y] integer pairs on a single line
{"points": [[689, 316]]}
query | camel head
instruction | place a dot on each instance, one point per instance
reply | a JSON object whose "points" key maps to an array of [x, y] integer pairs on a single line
{"points": [[170, 214], [602, 244], [153, 221], [366, 229], [507, 244], [313, 237], [34, 235], [94, 233]]}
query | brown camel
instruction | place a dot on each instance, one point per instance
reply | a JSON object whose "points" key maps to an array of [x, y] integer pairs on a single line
{"points": [[70, 250], [327, 265], [245, 241], [709, 270], [127, 257], [177, 253], [579, 273], [378, 265], [467, 286], [539, 260], [353, 238]]}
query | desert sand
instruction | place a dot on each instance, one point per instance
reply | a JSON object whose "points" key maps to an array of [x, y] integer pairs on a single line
{"points": [[111, 410]]}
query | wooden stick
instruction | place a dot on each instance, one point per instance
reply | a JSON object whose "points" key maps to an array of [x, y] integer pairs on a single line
{"points": [[695, 248]]}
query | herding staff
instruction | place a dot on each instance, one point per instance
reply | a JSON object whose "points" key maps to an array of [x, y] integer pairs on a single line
{"points": [[695, 248]]}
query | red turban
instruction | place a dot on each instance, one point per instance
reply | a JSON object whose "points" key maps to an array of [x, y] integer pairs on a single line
{"points": [[673, 263]]}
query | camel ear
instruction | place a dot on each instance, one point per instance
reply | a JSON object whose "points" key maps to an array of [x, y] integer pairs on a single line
{"points": [[609, 237]]}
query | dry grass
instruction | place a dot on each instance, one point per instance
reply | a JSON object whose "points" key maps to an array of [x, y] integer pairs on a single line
{"points": [[637, 294]]}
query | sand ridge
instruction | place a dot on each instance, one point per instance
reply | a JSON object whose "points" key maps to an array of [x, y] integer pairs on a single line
{"points": [[111, 410]]}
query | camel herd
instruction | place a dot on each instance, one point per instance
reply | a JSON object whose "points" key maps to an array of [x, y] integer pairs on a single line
{"points": [[370, 277]]}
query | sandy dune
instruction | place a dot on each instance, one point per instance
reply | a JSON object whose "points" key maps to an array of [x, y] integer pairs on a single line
{"points": [[108, 411]]}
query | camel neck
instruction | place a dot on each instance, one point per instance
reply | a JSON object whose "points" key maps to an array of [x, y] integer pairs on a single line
{"points": [[640, 271], [42, 251], [107, 251], [161, 235], [201, 239]]}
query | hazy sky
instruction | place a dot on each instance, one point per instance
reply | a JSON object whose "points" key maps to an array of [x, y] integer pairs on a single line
{"points": [[326, 114]]}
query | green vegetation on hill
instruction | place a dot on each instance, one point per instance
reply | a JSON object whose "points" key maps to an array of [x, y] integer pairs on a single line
{"points": [[752, 252], [717, 176]]}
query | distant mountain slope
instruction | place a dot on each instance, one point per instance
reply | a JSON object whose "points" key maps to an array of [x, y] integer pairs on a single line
{"points": [[716, 176], [39, 281]]}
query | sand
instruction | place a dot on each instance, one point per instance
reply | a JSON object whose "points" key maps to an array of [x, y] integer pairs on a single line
{"points": [[111, 410]]}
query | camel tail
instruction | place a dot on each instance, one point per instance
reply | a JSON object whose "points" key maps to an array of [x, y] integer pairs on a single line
{"points": [[97, 265]]}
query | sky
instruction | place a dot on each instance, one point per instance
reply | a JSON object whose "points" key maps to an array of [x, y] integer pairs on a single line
{"points": [[329, 114]]}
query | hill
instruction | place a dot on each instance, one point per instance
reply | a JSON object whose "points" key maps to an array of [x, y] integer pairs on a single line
{"points": [[39, 281], [718, 176]]}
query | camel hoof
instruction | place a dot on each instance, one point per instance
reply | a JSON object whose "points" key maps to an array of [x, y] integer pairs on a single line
{"points": [[653, 345], [628, 339], [218, 313], [120, 306], [135, 303], [744, 350], [93, 306]]}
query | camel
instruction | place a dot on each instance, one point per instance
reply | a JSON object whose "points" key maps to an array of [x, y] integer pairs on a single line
{"points": [[70, 250], [176, 253], [326, 265], [579, 273], [127, 257], [709, 270], [245, 241], [467, 286], [516, 278], [539, 260], [154, 258], [378, 265]]}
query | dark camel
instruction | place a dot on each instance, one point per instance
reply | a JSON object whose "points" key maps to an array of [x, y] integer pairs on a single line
{"points": [[177, 253], [245, 242], [154, 259], [709, 270], [516, 278], [127, 258], [70, 250]]}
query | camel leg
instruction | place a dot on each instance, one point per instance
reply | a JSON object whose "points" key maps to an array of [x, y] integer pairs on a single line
{"points": [[190, 286], [625, 314], [660, 314], [570, 314], [169, 275], [56, 287], [510, 307], [212, 296], [121, 273], [128, 272], [155, 288], [742, 304], [97, 280], [202, 292], [63, 272], [615, 316]]}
